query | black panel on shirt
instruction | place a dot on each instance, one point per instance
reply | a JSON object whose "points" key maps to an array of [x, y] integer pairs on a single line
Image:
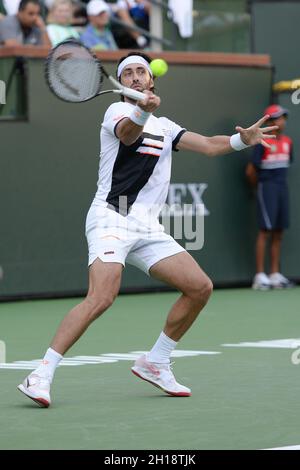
{"points": [[131, 173], [146, 135]]}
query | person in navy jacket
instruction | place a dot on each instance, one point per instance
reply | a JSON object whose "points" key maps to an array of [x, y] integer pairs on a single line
{"points": [[268, 172]]}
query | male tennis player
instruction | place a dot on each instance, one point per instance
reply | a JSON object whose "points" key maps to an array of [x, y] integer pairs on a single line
{"points": [[122, 225]]}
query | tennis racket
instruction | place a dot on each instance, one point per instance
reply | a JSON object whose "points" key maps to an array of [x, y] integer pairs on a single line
{"points": [[75, 75]]}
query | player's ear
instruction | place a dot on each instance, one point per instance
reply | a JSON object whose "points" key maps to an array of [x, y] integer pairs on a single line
{"points": [[151, 82]]}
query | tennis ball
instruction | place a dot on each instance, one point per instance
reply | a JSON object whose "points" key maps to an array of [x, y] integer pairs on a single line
{"points": [[159, 67]]}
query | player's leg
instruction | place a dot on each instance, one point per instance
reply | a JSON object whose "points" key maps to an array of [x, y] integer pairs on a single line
{"points": [[181, 271], [104, 284]]}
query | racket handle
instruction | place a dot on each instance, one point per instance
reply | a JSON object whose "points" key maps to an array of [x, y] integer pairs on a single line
{"points": [[133, 94]]}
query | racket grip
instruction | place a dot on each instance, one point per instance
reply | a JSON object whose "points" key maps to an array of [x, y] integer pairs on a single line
{"points": [[133, 94]]}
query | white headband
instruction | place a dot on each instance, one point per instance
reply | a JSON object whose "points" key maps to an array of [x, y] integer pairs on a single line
{"points": [[134, 59]]}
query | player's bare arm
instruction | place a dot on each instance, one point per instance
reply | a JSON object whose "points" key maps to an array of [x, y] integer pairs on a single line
{"points": [[220, 144], [128, 131]]}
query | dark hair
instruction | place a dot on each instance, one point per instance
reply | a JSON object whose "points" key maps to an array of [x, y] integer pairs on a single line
{"points": [[23, 4], [140, 54]]}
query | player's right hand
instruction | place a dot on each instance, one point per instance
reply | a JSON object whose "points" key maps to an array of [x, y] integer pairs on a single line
{"points": [[150, 103]]}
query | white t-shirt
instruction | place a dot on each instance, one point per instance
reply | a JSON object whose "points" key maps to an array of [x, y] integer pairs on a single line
{"points": [[140, 173], [124, 4], [58, 33]]}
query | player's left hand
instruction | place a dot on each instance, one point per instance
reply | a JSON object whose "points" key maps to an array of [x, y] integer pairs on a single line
{"points": [[255, 134]]}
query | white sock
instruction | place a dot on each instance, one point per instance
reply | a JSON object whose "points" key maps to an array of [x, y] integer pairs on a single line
{"points": [[49, 364], [162, 349]]}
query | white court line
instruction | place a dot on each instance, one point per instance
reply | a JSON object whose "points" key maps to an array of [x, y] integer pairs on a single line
{"points": [[290, 343], [90, 360], [2, 351], [285, 448]]}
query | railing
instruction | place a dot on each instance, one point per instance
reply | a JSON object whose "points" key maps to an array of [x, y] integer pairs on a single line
{"points": [[155, 39], [156, 23]]}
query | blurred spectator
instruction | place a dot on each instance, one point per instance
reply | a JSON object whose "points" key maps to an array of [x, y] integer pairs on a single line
{"points": [[79, 18], [97, 34], [133, 12], [26, 27], [59, 22]]}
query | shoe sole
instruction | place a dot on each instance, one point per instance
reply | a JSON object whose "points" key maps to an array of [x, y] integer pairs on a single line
{"points": [[39, 401], [173, 394], [282, 286], [263, 288]]}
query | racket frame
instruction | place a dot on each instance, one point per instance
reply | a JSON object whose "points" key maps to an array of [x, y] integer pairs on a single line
{"points": [[120, 89]]}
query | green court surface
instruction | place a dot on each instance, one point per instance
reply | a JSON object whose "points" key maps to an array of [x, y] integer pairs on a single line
{"points": [[243, 397]]}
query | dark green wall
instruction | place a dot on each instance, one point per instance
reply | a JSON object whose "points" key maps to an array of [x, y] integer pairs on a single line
{"points": [[49, 167], [276, 32]]}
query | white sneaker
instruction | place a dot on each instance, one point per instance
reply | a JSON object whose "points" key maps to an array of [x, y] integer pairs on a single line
{"points": [[278, 281], [261, 282], [161, 376], [37, 388]]}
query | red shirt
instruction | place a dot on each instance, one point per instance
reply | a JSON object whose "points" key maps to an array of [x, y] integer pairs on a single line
{"points": [[272, 163]]}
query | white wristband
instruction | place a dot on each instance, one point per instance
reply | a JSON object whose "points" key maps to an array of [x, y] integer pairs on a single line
{"points": [[139, 116], [237, 143]]}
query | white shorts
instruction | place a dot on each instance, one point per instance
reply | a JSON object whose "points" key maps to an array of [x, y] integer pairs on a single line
{"points": [[116, 239]]}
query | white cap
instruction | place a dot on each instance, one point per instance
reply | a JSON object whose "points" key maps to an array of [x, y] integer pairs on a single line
{"points": [[95, 7]]}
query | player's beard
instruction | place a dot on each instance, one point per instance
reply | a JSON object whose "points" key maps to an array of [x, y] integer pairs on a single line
{"points": [[142, 88]]}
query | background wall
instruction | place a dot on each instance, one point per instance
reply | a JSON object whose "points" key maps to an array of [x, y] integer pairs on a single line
{"points": [[49, 167], [275, 31]]}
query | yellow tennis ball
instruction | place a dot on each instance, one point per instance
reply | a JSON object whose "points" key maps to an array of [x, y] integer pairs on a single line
{"points": [[159, 67]]}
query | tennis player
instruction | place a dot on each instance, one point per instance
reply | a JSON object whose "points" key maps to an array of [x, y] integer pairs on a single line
{"points": [[122, 225]]}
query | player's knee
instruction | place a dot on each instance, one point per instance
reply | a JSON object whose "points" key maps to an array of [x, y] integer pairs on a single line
{"points": [[206, 289], [98, 304], [201, 290]]}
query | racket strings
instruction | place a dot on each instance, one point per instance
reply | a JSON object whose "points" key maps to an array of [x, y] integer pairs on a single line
{"points": [[74, 74]]}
